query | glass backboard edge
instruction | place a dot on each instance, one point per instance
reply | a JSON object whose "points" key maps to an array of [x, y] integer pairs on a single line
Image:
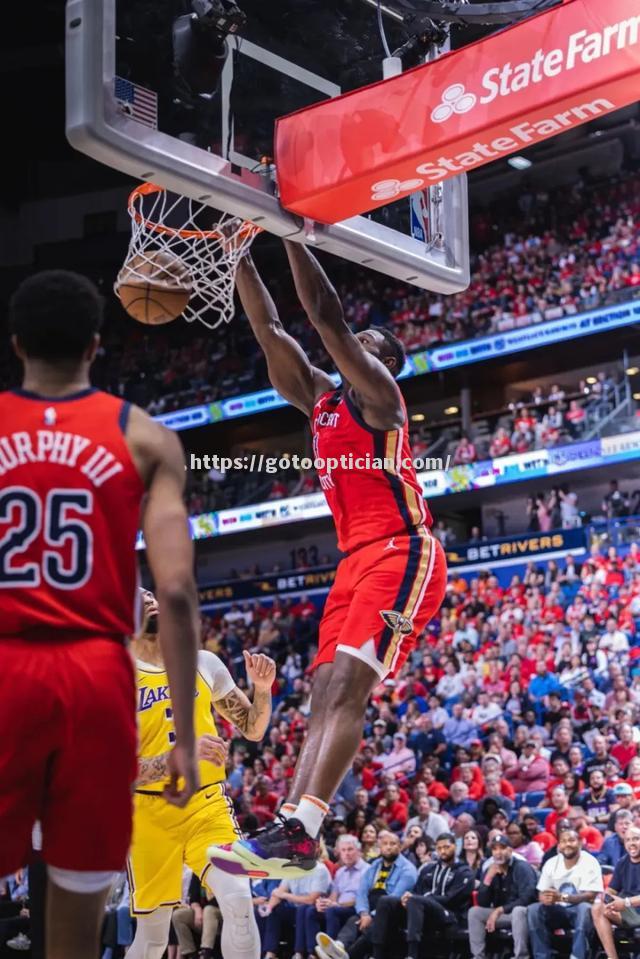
{"points": [[94, 127]]}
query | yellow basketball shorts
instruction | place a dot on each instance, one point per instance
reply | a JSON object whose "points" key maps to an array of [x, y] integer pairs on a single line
{"points": [[165, 838]]}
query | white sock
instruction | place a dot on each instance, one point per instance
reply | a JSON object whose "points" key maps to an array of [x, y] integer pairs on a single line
{"points": [[287, 810], [311, 811]]}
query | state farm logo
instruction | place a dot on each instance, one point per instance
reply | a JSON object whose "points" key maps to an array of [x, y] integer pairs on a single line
{"points": [[455, 99], [390, 189]]}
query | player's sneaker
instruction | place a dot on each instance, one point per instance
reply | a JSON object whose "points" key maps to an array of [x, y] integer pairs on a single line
{"points": [[282, 850], [328, 948]]}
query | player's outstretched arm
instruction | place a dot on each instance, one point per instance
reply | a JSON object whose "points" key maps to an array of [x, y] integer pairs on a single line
{"points": [[290, 371], [377, 391], [170, 556], [251, 718]]}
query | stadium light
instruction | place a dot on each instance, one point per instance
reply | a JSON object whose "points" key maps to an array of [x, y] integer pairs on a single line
{"points": [[519, 163], [632, 371], [451, 411], [417, 417]]}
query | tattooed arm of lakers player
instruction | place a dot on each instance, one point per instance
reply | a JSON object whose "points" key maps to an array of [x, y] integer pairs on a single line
{"points": [[290, 371], [251, 718], [152, 770], [368, 361]]}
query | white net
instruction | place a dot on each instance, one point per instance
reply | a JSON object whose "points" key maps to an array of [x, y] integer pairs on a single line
{"points": [[205, 245]]}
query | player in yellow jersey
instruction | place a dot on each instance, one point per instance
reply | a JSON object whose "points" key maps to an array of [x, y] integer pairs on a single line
{"points": [[166, 837]]}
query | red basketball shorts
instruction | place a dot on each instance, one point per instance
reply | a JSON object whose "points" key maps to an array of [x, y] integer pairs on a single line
{"points": [[383, 596], [67, 752]]}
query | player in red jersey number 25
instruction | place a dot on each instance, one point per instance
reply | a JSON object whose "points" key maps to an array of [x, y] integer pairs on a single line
{"points": [[75, 466], [393, 577]]}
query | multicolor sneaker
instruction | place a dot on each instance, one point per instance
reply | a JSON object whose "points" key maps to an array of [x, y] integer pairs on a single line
{"points": [[282, 850]]}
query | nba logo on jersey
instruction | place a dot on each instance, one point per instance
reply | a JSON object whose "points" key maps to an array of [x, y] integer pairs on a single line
{"points": [[397, 622], [50, 416]]}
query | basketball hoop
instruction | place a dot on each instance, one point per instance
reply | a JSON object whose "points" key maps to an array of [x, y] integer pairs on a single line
{"points": [[167, 223]]}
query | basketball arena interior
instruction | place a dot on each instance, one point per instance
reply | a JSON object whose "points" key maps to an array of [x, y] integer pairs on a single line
{"points": [[467, 175]]}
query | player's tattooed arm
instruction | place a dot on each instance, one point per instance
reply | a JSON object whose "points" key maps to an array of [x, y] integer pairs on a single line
{"points": [[251, 717], [152, 770]]}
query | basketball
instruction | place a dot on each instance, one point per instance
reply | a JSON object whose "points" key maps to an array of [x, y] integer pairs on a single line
{"points": [[154, 287]]}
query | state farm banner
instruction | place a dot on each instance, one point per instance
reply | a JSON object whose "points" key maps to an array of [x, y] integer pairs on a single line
{"points": [[490, 99]]}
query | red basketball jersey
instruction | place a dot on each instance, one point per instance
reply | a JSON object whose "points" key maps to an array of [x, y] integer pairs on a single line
{"points": [[70, 499], [373, 492]]}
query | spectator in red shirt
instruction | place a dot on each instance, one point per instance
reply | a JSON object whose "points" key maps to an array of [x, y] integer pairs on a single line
{"points": [[633, 776], [521, 442], [560, 809], [492, 767], [545, 839], [625, 750], [371, 769], [500, 444], [392, 810], [525, 422], [465, 452], [437, 789], [471, 776], [264, 802], [576, 417], [592, 838], [278, 490], [304, 607], [560, 766]]}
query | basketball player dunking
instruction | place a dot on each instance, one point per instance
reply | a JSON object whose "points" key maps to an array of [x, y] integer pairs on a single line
{"points": [[75, 465], [393, 578]]}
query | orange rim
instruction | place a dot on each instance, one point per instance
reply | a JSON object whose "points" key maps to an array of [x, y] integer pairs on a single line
{"points": [[148, 189]]}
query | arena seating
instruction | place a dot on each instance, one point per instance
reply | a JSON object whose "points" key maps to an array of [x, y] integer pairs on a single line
{"points": [[510, 656], [560, 253]]}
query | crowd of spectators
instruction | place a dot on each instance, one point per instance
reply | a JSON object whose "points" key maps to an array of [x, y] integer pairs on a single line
{"points": [[549, 417], [557, 253], [563, 252], [559, 509], [516, 718]]}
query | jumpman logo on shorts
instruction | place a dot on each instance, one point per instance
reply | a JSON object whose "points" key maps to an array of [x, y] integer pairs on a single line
{"points": [[390, 545]]}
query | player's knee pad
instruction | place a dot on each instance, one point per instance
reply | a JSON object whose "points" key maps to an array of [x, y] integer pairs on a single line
{"points": [[152, 935], [240, 937], [74, 880]]}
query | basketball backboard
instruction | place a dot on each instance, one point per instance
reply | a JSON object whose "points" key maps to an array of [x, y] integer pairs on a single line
{"points": [[126, 109]]}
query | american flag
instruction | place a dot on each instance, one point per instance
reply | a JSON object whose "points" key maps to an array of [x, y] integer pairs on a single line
{"points": [[137, 102]]}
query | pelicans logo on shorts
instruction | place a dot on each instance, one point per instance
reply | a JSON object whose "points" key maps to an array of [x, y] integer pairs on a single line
{"points": [[397, 622]]}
